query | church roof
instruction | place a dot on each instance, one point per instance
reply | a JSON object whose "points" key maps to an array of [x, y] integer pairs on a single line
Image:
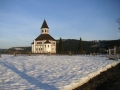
{"points": [[44, 25], [47, 41], [45, 37]]}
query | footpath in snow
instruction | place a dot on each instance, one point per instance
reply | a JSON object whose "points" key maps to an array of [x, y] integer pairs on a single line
{"points": [[43, 72]]}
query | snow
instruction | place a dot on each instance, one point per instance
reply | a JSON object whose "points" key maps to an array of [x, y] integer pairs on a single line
{"points": [[42, 72]]}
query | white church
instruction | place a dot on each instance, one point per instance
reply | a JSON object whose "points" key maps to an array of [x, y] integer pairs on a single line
{"points": [[44, 43]]}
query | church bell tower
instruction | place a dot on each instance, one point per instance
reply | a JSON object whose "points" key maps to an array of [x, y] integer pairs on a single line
{"points": [[44, 28]]}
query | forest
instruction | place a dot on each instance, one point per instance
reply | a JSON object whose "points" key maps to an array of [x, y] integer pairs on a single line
{"points": [[88, 46]]}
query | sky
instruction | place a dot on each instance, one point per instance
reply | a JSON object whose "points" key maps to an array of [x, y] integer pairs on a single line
{"points": [[21, 20]]}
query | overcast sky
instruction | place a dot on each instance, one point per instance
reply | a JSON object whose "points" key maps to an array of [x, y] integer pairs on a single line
{"points": [[20, 20]]}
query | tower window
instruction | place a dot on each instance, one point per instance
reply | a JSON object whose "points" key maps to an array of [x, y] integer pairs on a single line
{"points": [[48, 45], [45, 30], [42, 30]]}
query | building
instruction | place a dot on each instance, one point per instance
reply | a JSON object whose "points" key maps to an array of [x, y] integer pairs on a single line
{"points": [[44, 43]]}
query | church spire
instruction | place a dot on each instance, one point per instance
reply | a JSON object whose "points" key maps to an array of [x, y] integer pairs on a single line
{"points": [[44, 28], [44, 25]]}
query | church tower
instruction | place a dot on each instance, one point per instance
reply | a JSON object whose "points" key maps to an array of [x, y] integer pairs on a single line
{"points": [[44, 28]]}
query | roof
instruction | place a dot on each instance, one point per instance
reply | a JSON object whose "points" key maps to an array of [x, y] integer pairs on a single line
{"points": [[45, 37], [44, 25], [47, 41]]}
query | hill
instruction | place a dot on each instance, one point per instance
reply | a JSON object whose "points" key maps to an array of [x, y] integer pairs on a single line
{"points": [[15, 49]]}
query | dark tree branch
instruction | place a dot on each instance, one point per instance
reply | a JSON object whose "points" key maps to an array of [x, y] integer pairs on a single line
{"points": [[118, 21]]}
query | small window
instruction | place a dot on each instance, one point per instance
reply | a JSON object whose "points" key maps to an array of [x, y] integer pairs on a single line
{"points": [[42, 30], [45, 46], [48, 45], [36, 49], [45, 30], [39, 42], [41, 48]]}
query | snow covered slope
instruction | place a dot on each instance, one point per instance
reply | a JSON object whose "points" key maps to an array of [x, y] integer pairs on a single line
{"points": [[50, 72]]}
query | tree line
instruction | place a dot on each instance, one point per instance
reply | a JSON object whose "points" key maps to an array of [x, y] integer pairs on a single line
{"points": [[64, 46], [69, 46]]}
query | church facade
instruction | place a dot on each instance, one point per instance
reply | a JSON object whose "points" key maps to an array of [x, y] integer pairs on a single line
{"points": [[44, 43]]}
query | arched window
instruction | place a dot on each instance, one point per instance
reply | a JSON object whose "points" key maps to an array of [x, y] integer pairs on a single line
{"points": [[48, 45], [42, 30], [45, 30]]}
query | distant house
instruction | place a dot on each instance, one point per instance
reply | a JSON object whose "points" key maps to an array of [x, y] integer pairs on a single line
{"points": [[44, 43]]}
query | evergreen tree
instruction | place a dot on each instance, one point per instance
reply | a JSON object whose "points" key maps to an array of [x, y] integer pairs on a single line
{"points": [[60, 46], [80, 46]]}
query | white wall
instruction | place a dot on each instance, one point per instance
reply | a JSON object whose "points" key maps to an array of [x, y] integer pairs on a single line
{"points": [[36, 48], [53, 46], [47, 47], [43, 31]]}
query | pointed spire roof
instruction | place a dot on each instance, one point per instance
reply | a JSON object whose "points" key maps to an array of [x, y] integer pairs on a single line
{"points": [[44, 25]]}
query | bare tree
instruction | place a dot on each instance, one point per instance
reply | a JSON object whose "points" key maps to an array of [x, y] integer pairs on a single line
{"points": [[118, 21]]}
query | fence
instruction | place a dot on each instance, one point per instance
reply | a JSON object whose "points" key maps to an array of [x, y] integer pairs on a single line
{"points": [[113, 53]]}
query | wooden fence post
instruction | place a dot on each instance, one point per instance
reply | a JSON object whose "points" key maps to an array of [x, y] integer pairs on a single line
{"points": [[14, 54], [70, 54], [115, 52], [29, 53], [109, 53]]}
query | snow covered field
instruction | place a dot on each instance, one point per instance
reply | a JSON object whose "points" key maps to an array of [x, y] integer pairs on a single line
{"points": [[50, 72]]}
